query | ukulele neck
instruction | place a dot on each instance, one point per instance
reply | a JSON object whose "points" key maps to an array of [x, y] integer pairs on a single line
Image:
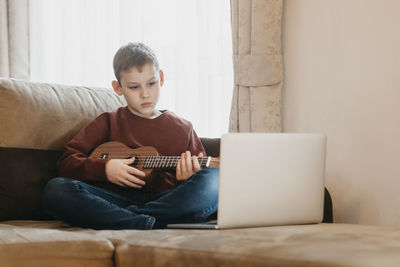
{"points": [[170, 162]]}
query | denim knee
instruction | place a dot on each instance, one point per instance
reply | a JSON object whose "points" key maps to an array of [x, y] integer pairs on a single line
{"points": [[208, 176], [208, 181], [55, 188]]}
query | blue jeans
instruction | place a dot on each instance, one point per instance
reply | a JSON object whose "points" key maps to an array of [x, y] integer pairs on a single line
{"points": [[83, 205]]}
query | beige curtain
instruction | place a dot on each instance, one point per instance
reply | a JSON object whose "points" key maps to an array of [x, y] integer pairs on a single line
{"points": [[257, 59], [14, 39]]}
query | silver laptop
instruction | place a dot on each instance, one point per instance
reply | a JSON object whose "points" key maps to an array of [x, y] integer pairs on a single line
{"points": [[269, 179]]}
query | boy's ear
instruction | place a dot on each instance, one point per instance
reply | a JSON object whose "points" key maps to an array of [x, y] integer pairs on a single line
{"points": [[161, 78], [117, 87]]}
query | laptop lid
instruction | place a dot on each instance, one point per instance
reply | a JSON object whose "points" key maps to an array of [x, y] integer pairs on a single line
{"points": [[271, 179]]}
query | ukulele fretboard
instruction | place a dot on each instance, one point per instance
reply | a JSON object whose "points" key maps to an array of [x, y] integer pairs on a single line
{"points": [[168, 162]]}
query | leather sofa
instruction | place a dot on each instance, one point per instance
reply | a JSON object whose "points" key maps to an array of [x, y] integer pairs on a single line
{"points": [[36, 119]]}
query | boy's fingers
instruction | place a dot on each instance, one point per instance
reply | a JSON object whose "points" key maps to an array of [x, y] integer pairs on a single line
{"points": [[196, 164], [135, 171], [183, 163], [135, 180], [120, 184], [189, 165], [129, 161], [129, 179], [178, 169], [130, 184]]}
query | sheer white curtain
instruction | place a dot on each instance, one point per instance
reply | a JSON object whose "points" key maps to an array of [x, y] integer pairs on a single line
{"points": [[74, 41]]}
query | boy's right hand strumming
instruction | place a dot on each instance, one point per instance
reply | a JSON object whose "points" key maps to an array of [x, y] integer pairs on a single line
{"points": [[119, 172]]}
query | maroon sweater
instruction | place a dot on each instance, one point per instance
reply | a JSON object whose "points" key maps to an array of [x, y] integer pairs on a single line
{"points": [[167, 133]]}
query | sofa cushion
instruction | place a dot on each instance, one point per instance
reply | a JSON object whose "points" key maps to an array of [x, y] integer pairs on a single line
{"points": [[211, 146], [298, 245], [23, 175], [46, 116], [27, 246]]}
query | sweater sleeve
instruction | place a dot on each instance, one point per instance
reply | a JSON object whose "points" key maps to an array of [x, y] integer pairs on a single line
{"points": [[75, 161]]}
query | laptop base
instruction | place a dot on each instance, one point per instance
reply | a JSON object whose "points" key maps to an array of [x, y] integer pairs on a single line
{"points": [[206, 225]]}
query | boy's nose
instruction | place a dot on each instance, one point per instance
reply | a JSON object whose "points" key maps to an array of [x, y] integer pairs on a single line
{"points": [[145, 93]]}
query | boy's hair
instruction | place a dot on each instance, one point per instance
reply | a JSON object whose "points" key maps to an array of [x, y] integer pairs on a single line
{"points": [[133, 55]]}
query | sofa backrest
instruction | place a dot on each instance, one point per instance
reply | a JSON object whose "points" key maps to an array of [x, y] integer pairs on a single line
{"points": [[46, 116]]}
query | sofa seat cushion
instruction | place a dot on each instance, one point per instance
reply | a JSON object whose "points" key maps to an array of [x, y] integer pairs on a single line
{"points": [[297, 245], [300, 245], [35, 246], [42, 224]]}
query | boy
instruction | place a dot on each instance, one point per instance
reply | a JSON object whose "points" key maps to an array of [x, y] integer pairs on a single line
{"points": [[188, 195]]}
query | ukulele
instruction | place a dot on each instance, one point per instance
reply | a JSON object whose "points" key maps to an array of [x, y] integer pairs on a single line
{"points": [[146, 159]]}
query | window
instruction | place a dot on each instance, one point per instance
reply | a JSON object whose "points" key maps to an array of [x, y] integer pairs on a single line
{"points": [[74, 41]]}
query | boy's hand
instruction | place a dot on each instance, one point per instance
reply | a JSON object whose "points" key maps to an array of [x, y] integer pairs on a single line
{"points": [[187, 166], [119, 172]]}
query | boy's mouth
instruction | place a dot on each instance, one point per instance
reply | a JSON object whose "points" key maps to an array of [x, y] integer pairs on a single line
{"points": [[145, 105]]}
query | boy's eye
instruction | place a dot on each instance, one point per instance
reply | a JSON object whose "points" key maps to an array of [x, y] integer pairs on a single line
{"points": [[152, 83], [133, 87]]}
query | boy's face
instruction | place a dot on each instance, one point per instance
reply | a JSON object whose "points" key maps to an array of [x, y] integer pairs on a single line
{"points": [[140, 88]]}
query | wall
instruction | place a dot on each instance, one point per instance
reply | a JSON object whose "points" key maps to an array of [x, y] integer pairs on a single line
{"points": [[342, 78]]}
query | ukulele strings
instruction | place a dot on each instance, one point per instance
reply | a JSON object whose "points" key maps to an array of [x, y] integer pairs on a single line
{"points": [[161, 161], [161, 158]]}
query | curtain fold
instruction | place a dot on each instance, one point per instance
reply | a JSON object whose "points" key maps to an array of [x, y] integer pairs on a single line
{"points": [[14, 39], [257, 61]]}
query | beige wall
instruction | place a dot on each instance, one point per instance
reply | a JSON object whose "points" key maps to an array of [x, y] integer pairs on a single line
{"points": [[342, 78]]}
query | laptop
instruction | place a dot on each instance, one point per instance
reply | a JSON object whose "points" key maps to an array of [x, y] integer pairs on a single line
{"points": [[269, 179]]}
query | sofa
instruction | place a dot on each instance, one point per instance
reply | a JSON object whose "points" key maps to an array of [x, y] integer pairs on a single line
{"points": [[36, 119]]}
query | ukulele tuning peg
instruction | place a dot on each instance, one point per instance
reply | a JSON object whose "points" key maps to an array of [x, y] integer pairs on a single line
{"points": [[103, 155]]}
